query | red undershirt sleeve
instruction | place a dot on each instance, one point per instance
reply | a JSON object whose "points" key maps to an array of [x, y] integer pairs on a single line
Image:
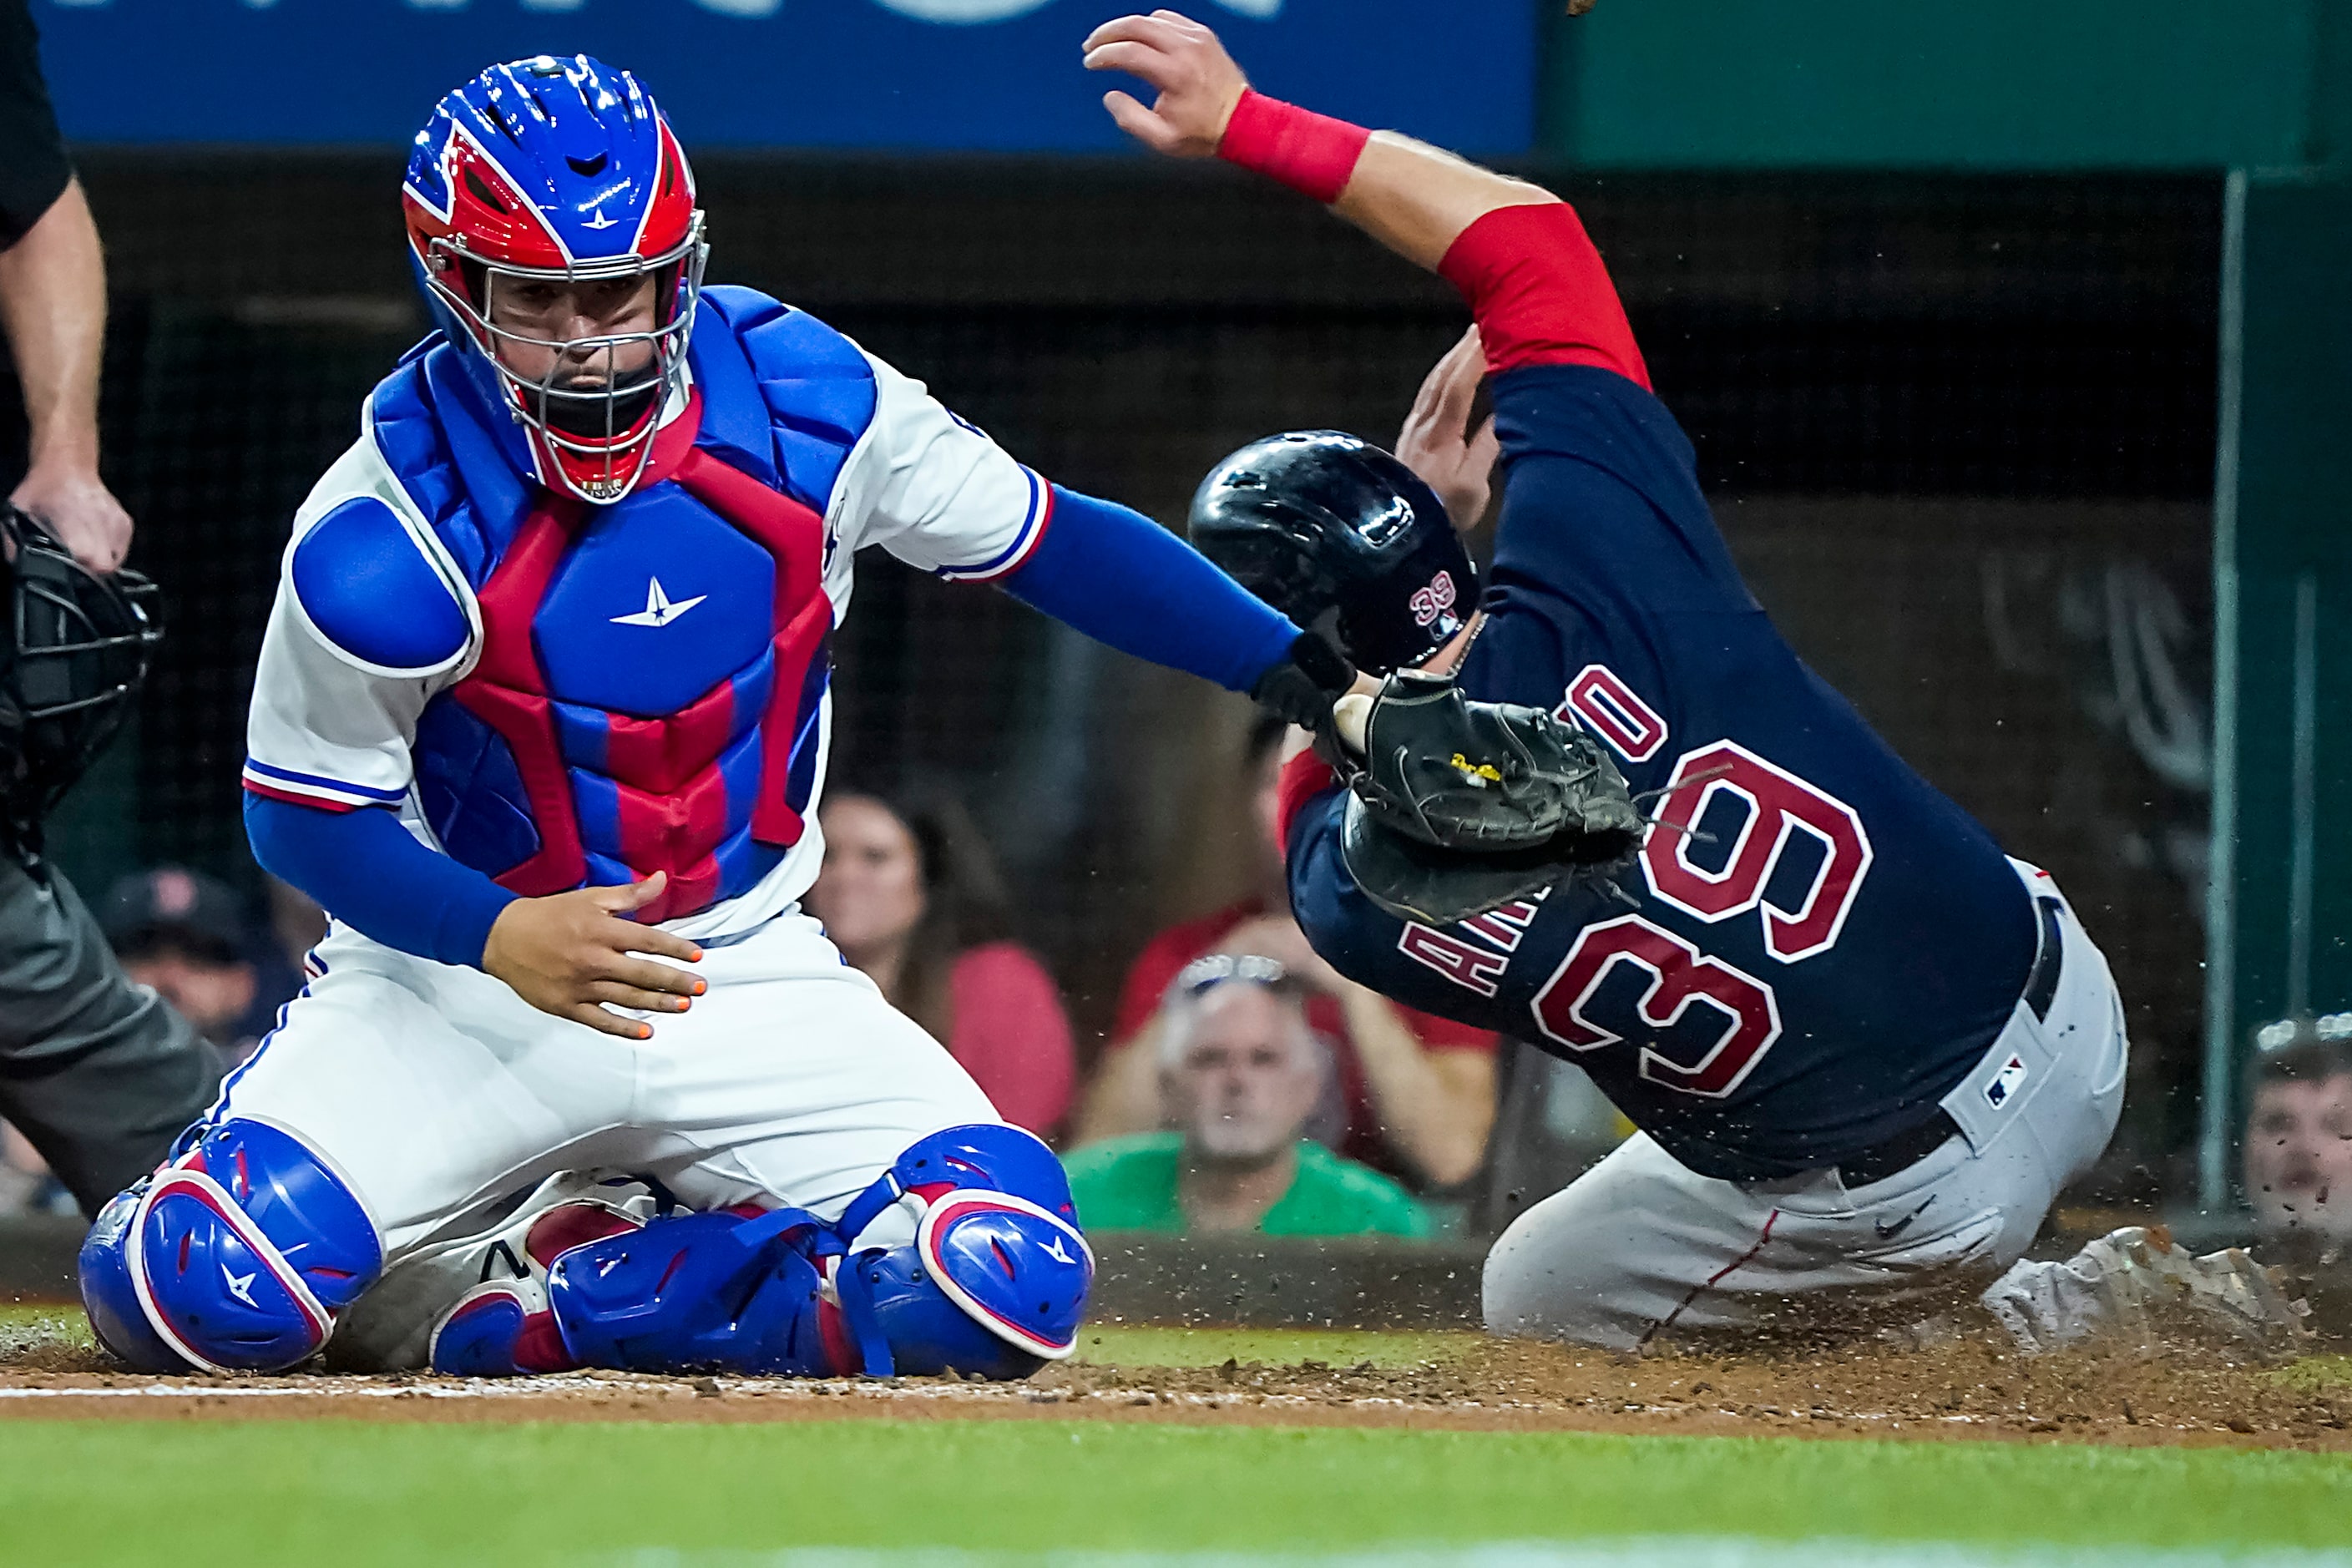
{"points": [[1540, 293], [1304, 777]]}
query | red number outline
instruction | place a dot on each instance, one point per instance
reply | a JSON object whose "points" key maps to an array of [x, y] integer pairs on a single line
{"points": [[1680, 976], [1600, 703], [1773, 794]]}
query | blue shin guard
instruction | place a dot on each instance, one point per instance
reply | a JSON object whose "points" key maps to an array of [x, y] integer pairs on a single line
{"points": [[702, 1291], [237, 1257], [994, 1283]]}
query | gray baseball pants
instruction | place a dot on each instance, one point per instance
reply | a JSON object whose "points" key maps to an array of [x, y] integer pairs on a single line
{"points": [[99, 1073], [1640, 1250]]}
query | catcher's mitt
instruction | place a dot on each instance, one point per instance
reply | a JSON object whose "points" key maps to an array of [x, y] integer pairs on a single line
{"points": [[1463, 806], [1482, 776]]}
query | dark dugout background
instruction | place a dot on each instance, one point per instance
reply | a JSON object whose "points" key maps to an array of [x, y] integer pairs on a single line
{"points": [[1959, 431]]}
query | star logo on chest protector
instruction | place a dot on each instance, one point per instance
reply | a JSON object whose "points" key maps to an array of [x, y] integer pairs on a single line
{"points": [[660, 608]]}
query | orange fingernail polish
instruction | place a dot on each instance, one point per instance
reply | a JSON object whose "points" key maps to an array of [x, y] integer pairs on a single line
{"points": [[700, 986]]}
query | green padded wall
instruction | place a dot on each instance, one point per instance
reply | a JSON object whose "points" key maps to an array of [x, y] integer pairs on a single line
{"points": [[1994, 84], [2279, 915]]}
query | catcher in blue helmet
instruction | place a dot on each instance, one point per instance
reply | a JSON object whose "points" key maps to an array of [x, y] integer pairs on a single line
{"points": [[1865, 1048], [541, 718]]}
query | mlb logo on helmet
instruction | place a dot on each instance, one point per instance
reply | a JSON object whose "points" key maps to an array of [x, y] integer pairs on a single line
{"points": [[2005, 1082]]}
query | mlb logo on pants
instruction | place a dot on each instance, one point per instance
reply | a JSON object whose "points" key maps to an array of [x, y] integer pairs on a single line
{"points": [[2005, 1082]]}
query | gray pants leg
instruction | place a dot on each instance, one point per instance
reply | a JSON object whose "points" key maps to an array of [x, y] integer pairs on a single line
{"points": [[99, 1073], [1640, 1247]]}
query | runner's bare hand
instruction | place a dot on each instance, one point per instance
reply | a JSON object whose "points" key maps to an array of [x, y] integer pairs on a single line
{"points": [[1197, 81], [573, 954], [1438, 442]]}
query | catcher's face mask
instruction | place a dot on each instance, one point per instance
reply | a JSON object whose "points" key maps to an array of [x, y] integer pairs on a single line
{"points": [[77, 652]]}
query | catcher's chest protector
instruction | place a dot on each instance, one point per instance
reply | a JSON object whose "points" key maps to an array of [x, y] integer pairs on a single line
{"points": [[649, 693]]}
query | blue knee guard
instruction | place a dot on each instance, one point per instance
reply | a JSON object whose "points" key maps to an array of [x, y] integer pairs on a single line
{"points": [[236, 1258], [994, 1283], [990, 1156], [997, 1278]]}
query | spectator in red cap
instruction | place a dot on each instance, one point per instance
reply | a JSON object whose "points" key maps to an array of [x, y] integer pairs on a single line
{"points": [[185, 936], [1414, 1095]]}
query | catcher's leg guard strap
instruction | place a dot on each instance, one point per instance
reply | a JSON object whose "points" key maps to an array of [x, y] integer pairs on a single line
{"points": [[198, 1265]]}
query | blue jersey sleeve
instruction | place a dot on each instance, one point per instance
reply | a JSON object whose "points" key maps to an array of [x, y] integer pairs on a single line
{"points": [[1122, 579], [371, 874]]}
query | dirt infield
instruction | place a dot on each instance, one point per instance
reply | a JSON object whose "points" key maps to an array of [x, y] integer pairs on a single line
{"points": [[1959, 1390]]}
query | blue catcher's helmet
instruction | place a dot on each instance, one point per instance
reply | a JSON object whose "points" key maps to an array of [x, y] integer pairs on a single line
{"points": [[564, 173]]}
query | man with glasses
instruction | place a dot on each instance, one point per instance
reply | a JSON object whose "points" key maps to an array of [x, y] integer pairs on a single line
{"points": [[1240, 1074]]}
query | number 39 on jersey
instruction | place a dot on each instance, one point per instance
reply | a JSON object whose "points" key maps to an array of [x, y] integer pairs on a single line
{"points": [[1670, 976]]}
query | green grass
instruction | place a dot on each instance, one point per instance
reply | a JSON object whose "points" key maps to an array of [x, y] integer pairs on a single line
{"points": [[645, 1495], [2317, 1373], [359, 1493], [22, 1326]]}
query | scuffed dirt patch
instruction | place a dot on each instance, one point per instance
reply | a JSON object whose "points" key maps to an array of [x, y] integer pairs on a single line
{"points": [[1963, 1388]]}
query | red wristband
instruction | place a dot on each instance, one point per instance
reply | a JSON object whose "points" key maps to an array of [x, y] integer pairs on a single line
{"points": [[1312, 154]]}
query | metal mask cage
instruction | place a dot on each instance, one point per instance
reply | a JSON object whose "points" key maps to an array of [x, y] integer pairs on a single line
{"points": [[621, 447], [69, 682], [135, 591]]}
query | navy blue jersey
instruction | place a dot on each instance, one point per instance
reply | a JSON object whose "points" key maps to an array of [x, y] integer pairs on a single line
{"points": [[1815, 945]]}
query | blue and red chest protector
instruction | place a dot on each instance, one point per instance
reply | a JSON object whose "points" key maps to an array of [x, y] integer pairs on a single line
{"points": [[587, 746]]}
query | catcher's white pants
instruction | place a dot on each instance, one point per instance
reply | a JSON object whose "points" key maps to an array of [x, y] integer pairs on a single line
{"points": [[1640, 1247], [436, 1091]]}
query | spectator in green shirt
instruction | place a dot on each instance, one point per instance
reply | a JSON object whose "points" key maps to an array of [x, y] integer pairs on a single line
{"points": [[1240, 1074]]}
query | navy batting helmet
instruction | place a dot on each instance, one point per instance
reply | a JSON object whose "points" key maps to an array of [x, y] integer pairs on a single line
{"points": [[1317, 519]]}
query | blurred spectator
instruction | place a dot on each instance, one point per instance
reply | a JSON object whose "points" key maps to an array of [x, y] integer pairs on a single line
{"points": [[1240, 1070], [296, 923], [1412, 1094], [184, 934], [2299, 1133], [26, 1185], [910, 895]]}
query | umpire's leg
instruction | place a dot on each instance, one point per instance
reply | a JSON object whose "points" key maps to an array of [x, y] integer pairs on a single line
{"points": [[99, 1073]]}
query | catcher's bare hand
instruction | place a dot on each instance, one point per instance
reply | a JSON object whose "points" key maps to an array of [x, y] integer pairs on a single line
{"points": [[571, 954], [1438, 442], [1197, 81]]}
